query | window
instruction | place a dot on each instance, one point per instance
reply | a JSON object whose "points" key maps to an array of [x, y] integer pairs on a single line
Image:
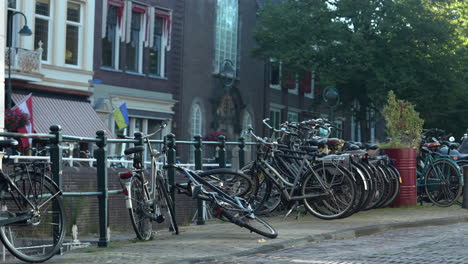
{"points": [[226, 47], [293, 116], [246, 123], [338, 132], [73, 33], [275, 74], [310, 93], [42, 27], [275, 117], [157, 52], [196, 119], [196, 126], [295, 84], [110, 43], [12, 4], [134, 47]]}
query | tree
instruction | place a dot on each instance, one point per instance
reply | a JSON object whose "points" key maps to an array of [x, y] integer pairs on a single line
{"points": [[417, 48]]}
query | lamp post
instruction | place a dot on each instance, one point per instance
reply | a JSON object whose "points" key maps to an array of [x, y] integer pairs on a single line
{"points": [[332, 98], [25, 31]]}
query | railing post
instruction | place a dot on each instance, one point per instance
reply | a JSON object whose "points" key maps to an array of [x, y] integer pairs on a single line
{"points": [[101, 164], [465, 187], [198, 166], [56, 167], [241, 152], [56, 152], [171, 160], [222, 151], [139, 136]]}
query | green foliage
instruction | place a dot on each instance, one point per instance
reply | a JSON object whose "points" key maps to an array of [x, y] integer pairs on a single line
{"points": [[417, 48], [404, 126]]}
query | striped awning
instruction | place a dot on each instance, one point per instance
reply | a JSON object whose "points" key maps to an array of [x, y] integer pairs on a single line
{"points": [[77, 118]]}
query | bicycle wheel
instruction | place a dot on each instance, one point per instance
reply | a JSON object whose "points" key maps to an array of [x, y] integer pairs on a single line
{"points": [[389, 185], [334, 193], [141, 209], [380, 187], [40, 237], [232, 182], [442, 183], [164, 202], [263, 189], [395, 182], [243, 219]]}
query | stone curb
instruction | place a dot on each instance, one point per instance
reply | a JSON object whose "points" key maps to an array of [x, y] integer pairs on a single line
{"points": [[340, 234]]}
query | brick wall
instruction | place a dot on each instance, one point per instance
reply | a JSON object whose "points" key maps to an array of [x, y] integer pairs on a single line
{"points": [[84, 210]]}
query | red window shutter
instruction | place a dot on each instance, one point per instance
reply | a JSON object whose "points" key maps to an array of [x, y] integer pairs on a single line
{"points": [[306, 83], [290, 82]]}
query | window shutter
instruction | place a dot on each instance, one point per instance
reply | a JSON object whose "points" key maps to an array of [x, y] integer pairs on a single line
{"points": [[306, 83], [289, 81]]}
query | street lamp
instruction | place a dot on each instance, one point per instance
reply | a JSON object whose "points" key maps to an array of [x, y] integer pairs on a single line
{"points": [[227, 72], [332, 98], [25, 31]]}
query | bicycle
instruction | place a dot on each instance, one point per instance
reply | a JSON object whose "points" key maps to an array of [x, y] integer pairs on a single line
{"points": [[224, 205], [439, 176], [32, 217], [222, 188], [146, 199], [326, 188]]}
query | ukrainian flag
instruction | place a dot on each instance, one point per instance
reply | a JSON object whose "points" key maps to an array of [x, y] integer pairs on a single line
{"points": [[121, 116]]}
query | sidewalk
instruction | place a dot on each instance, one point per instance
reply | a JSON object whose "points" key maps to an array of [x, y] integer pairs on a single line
{"points": [[215, 240]]}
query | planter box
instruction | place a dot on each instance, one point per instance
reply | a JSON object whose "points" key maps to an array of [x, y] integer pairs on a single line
{"points": [[405, 162]]}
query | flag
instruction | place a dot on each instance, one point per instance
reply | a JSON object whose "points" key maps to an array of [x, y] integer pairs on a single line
{"points": [[121, 116], [26, 107]]}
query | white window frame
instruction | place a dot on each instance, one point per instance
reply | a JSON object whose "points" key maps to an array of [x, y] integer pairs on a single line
{"points": [[162, 57], [247, 120], [196, 108], [140, 43], [338, 122], [80, 35], [276, 110], [49, 35], [221, 33], [116, 46], [296, 89], [311, 95], [293, 113]]}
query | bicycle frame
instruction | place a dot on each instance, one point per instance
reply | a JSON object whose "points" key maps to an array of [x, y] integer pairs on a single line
{"points": [[429, 163], [280, 181], [27, 215], [219, 193]]}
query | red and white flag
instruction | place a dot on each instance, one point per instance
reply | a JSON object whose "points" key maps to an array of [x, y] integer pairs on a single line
{"points": [[26, 107]]}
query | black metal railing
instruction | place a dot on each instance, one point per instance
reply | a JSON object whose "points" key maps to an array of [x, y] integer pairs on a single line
{"points": [[56, 138]]}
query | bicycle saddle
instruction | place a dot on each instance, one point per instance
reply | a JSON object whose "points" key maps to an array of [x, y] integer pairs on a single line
{"points": [[137, 149], [370, 146], [350, 146], [333, 142], [5, 143], [317, 142]]}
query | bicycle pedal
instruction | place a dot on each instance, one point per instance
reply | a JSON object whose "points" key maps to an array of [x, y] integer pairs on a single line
{"points": [[160, 219]]}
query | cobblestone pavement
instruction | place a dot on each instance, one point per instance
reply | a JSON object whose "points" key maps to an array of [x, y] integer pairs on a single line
{"points": [[219, 240], [436, 244]]}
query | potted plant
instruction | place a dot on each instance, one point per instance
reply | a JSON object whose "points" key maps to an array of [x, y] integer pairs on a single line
{"points": [[404, 127], [15, 119]]}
